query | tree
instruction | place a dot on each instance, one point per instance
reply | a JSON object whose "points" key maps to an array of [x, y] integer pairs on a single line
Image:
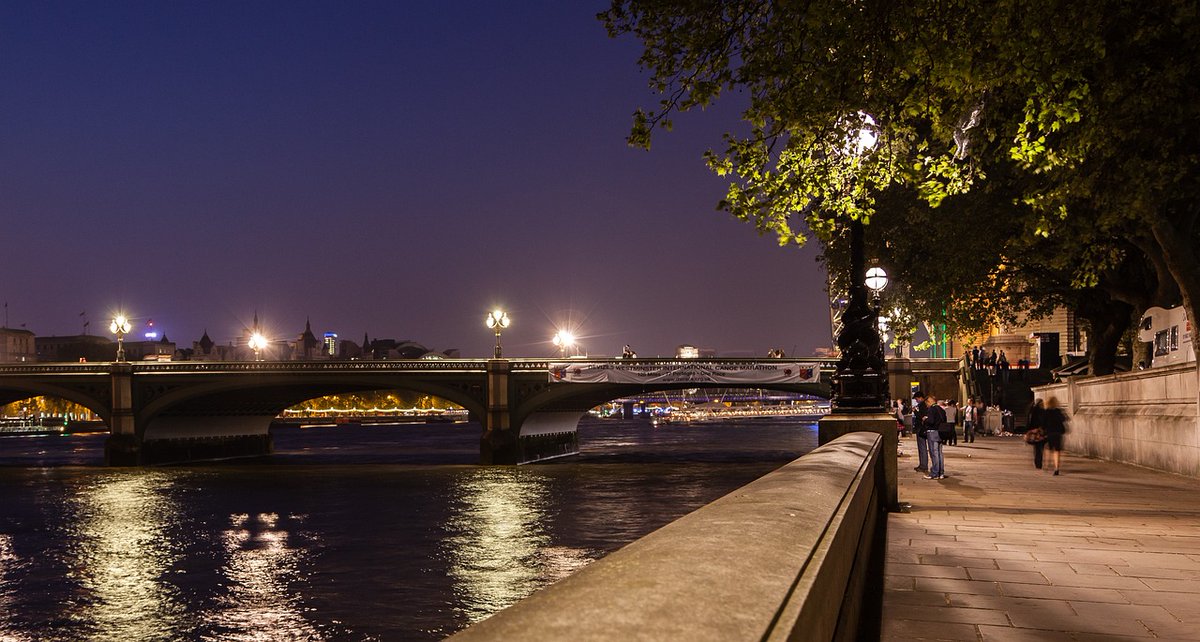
{"points": [[1083, 118]]}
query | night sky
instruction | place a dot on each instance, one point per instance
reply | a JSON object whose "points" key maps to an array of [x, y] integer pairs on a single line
{"points": [[389, 168]]}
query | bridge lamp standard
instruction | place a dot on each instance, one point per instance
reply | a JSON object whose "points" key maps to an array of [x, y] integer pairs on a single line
{"points": [[563, 340], [497, 320], [257, 343], [120, 326]]}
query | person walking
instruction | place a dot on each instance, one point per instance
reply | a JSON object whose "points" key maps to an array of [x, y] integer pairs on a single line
{"points": [[935, 419], [969, 421], [920, 410], [1035, 435], [1054, 423]]}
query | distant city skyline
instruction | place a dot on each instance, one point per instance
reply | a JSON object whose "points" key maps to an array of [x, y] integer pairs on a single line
{"points": [[391, 169]]}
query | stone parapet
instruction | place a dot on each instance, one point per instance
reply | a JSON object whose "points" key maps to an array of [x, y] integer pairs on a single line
{"points": [[1148, 417], [794, 555]]}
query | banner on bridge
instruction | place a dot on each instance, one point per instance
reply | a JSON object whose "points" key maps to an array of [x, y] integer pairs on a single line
{"points": [[684, 372]]}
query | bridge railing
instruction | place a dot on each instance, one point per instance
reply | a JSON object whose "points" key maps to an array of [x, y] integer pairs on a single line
{"points": [[544, 364], [427, 365], [55, 368], [437, 365]]}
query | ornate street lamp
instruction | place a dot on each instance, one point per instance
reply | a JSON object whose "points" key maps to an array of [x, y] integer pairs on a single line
{"points": [[563, 340], [497, 320], [120, 326], [876, 281], [860, 382], [257, 343]]}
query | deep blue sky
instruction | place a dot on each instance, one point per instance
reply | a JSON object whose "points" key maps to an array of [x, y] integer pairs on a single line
{"points": [[394, 168]]}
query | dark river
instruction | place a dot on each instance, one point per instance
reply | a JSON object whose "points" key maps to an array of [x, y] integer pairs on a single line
{"points": [[349, 533]]}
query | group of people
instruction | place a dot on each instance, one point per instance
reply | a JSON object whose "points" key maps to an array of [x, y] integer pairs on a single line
{"points": [[969, 416], [935, 424], [1044, 429], [996, 364]]}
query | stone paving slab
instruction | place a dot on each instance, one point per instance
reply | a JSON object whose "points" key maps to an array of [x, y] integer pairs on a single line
{"points": [[1000, 551]]}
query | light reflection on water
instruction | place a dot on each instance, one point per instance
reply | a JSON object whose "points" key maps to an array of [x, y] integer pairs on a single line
{"points": [[9, 564], [499, 549], [308, 547], [258, 603], [122, 551]]}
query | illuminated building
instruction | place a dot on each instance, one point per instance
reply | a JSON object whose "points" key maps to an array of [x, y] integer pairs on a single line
{"points": [[17, 344]]}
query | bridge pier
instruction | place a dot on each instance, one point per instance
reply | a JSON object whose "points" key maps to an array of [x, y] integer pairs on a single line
{"points": [[499, 444], [170, 440], [123, 447]]}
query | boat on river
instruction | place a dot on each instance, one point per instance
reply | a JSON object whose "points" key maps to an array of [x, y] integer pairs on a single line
{"points": [[32, 426]]}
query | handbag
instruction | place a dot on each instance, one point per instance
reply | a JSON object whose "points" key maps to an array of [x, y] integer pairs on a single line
{"points": [[1035, 436]]}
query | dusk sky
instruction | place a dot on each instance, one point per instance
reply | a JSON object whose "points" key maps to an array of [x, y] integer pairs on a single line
{"points": [[389, 168]]}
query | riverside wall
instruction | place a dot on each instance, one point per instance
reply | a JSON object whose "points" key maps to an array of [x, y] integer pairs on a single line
{"points": [[1147, 417], [794, 555]]}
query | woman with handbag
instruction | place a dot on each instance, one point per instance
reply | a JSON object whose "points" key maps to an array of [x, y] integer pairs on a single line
{"points": [[1034, 434]]}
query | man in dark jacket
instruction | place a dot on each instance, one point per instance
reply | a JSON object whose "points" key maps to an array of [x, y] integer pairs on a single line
{"points": [[919, 413], [934, 420]]}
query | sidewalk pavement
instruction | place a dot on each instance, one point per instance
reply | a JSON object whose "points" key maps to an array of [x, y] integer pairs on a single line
{"points": [[1002, 551]]}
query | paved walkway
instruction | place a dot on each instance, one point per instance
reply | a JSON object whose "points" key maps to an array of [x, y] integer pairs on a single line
{"points": [[1002, 551]]}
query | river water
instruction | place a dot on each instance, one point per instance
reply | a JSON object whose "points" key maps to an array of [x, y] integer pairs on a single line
{"points": [[348, 533]]}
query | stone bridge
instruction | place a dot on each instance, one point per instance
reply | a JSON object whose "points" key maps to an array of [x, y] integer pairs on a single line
{"points": [[184, 411]]}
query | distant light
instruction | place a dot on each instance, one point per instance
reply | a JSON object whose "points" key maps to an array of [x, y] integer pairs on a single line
{"points": [[151, 335]]}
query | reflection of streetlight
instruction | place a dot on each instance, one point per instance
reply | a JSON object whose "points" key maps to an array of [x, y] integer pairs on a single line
{"points": [[497, 320], [257, 343], [120, 327], [564, 340]]}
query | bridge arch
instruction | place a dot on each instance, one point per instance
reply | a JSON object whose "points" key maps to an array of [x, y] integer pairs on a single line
{"points": [[94, 400], [272, 394], [207, 417], [544, 415]]}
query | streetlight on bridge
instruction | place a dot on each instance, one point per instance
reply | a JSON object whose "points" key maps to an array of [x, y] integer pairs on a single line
{"points": [[497, 320], [563, 340], [120, 326], [257, 343]]}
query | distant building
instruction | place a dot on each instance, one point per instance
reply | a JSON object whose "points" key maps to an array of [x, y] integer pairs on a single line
{"points": [[692, 352], [17, 345], [331, 344], [81, 347], [307, 348], [161, 350]]}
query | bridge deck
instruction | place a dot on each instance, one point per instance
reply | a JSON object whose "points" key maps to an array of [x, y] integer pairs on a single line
{"points": [[1002, 551]]}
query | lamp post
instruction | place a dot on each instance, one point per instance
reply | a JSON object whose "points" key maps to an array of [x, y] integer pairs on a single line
{"points": [[860, 383], [876, 281], [120, 326], [497, 320], [257, 343], [563, 340]]}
